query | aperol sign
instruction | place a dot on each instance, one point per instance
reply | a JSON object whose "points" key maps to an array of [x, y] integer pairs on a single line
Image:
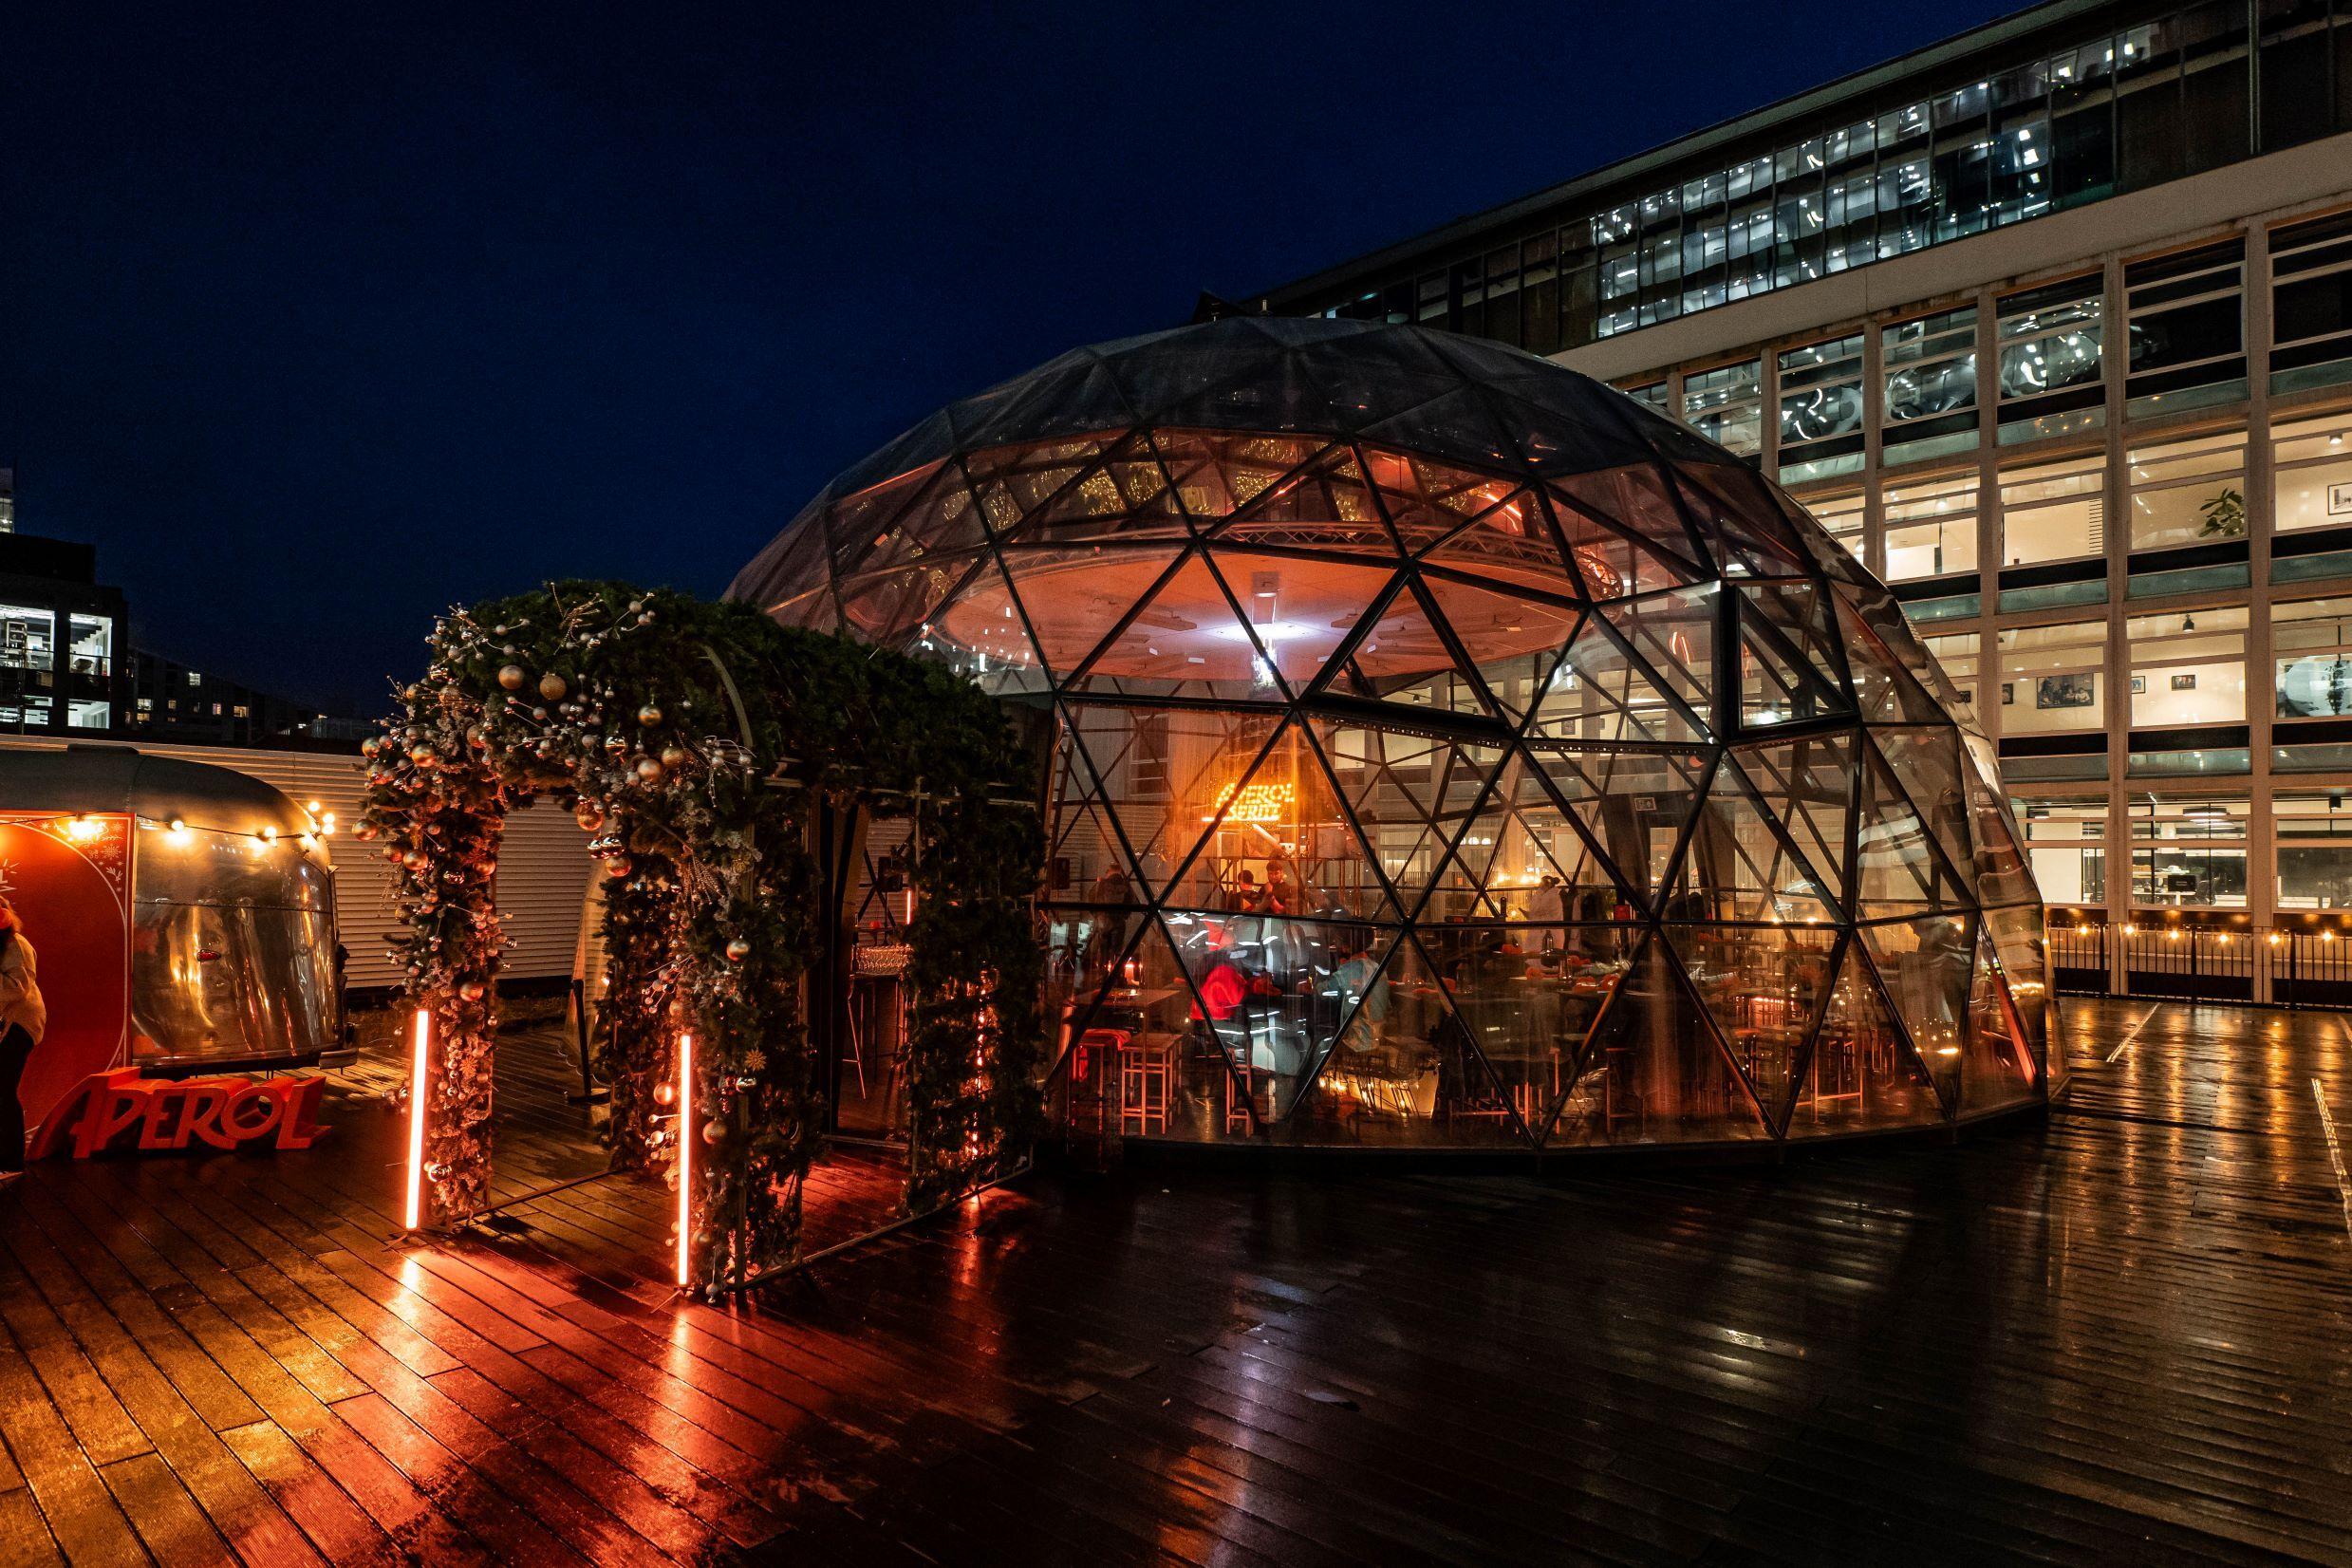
{"points": [[122, 1110]]}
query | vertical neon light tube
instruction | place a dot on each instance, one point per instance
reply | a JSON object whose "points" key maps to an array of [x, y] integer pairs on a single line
{"points": [[415, 1213], [687, 1135]]}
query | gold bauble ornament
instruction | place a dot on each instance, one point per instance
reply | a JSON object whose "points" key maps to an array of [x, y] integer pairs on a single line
{"points": [[738, 950], [714, 1133], [618, 864], [648, 770], [675, 756], [513, 677], [472, 990], [649, 716], [551, 686], [589, 815], [665, 1093]]}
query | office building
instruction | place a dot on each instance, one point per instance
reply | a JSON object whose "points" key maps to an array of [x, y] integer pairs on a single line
{"points": [[2051, 323]]}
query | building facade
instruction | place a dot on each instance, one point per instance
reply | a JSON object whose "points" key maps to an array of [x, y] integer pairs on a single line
{"points": [[2052, 323]]}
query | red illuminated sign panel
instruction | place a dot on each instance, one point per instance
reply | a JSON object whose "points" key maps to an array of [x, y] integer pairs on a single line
{"points": [[122, 1110]]}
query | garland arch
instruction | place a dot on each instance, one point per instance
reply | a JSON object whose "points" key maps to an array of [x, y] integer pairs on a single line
{"points": [[702, 743]]}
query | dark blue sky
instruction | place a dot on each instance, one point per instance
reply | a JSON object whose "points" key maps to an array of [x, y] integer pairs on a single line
{"points": [[318, 319]]}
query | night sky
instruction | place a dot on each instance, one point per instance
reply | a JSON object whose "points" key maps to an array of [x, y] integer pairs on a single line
{"points": [[316, 320]]}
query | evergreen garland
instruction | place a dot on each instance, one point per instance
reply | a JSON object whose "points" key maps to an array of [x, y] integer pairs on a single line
{"points": [[694, 740]]}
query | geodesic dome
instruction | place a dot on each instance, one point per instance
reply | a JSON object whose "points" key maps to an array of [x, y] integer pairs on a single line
{"points": [[1452, 750]]}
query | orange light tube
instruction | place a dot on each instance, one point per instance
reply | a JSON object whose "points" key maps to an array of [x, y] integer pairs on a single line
{"points": [[414, 1215], [687, 1135]]}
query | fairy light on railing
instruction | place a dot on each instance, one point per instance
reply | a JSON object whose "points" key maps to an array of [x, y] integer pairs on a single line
{"points": [[685, 1160], [414, 1213]]}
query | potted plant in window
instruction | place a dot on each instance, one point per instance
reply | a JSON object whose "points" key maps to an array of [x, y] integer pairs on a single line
{"points": [[2225, 517]]}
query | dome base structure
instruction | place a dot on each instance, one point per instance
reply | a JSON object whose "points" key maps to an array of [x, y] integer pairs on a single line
{"points": [[1452, 755]]}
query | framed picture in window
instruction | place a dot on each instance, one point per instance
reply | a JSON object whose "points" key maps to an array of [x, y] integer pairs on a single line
{"points": [[2008, 693], [2185, 682], [2065, 691], [2139, 683]]}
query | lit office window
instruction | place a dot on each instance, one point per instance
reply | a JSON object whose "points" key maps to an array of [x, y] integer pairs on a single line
{"points": [[2188, 851], [2313, 477], [2188, 348], [1930, 528], [1930, 385], [1650, 395], [2312, 294], [1841, 515], [2188, 668], [1957, 653], [2311, 657], [2053, 679], [2314, 833], [1821, 409], [28, 638], [1726, 404], [88, 715], [2065, 842], [2189, 492], [2054, 511], [2048, 358]]}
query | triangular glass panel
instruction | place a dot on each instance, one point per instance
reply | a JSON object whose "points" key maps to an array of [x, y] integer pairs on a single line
{"points": [[1615, 564], [815, 611], [1862, 1074], [1412, 795], [1169, 1007], [1998, 1069], [1164, 369], [1457, 427], [2020, 944], [1789, 673], [1010, 482], [1374, 375], [981, 634], [1511, 546], [1635, 805], [1924, 965], [1925, 760], [1425, 500], [1884, 691], [1807, 786], [1076, 598], [1555, 442], [1215, 473], [1186, 639], [1079, 398], [1300, 611], [1653, 1070], [1596, 691], [1256, 824], [1087, 863], [1399, 657], [1159, 771], [911, 514], [1633, 499], [1124, 497], [1764, 986], [1898, 867], [1513, 637], [896, 608], [1094, 963], [1674, 634], [2001, 875], [1276, 393], [789, 566], [1731, 509], [1326, 505], [1405, 1070], [1737, 865], [1524, 858]]}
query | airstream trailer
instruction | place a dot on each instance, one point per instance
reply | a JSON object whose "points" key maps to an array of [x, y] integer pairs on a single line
{"points": [[184, 913]]}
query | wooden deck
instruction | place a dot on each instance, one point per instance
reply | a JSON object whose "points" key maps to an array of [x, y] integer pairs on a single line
{"points": [[2124, 1335]]}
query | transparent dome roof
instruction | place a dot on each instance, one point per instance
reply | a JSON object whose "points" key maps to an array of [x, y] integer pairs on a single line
{"points": [[1452, 750]]}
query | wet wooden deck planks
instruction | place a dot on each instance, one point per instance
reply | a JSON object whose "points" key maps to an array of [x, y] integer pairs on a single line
{"points": [[2125, 1334]]}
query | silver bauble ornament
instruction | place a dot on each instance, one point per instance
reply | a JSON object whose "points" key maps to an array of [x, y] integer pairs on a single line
{"points": [[513, 677], [738, 950]]}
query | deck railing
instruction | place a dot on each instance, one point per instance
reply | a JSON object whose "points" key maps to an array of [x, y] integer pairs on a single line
{"points": [[2202, 957]]}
